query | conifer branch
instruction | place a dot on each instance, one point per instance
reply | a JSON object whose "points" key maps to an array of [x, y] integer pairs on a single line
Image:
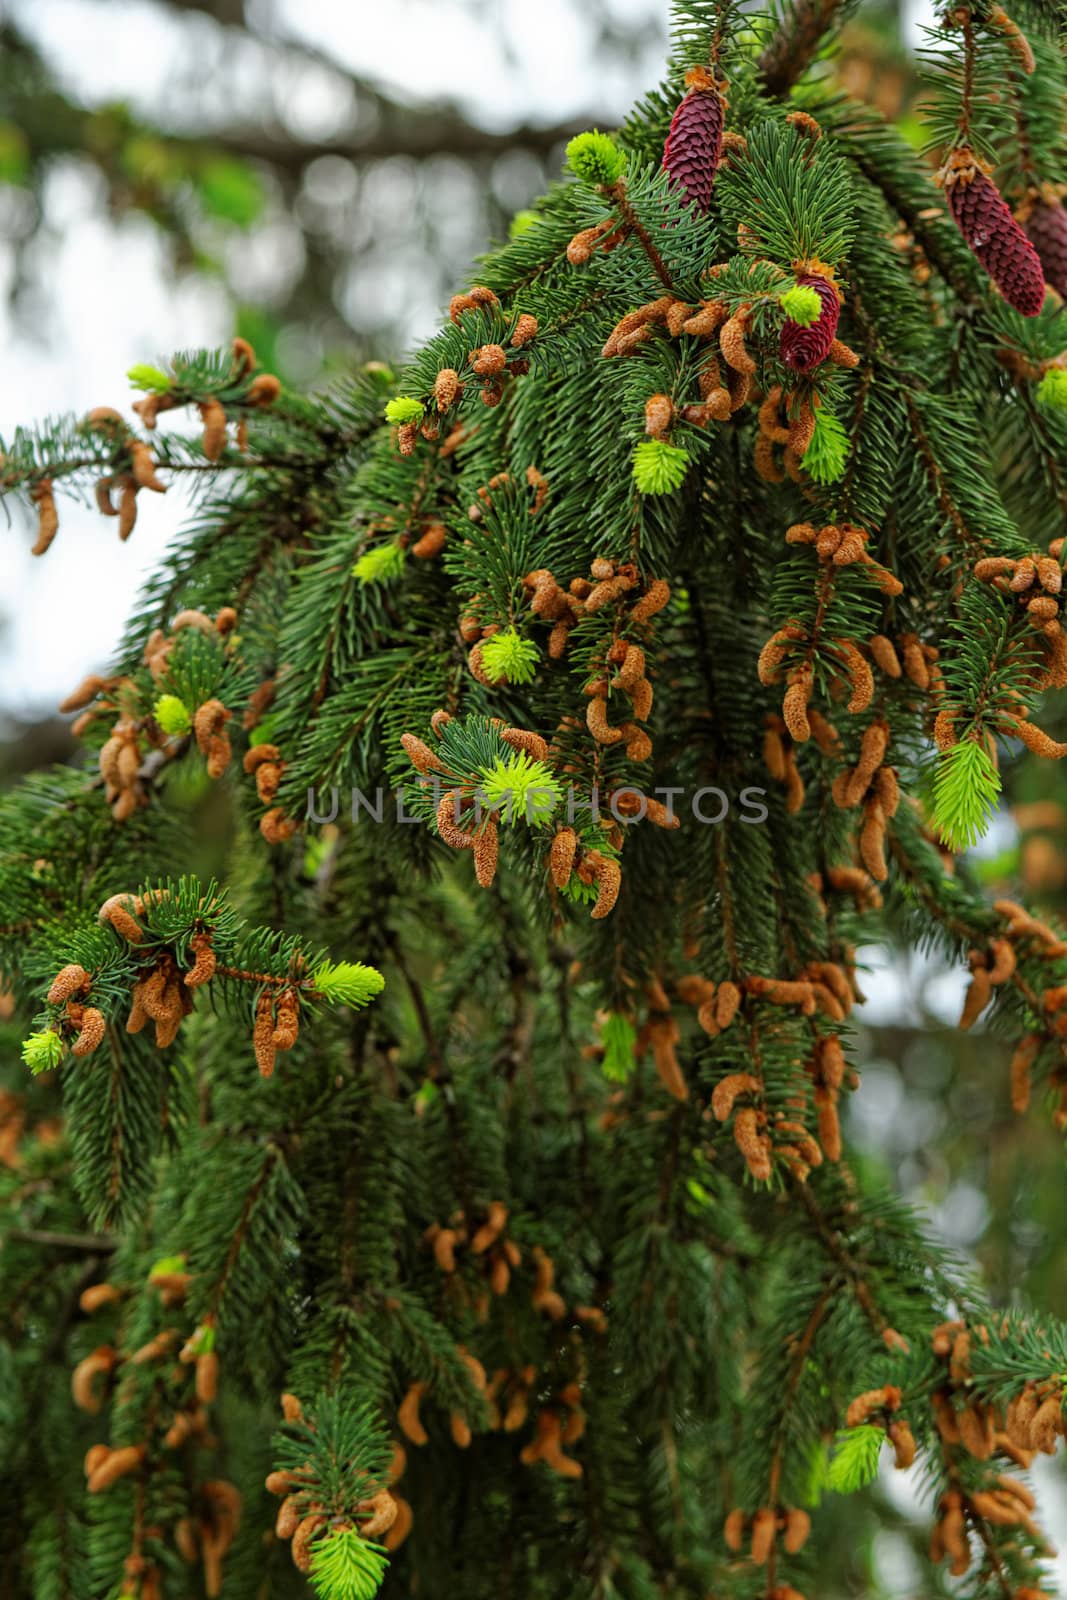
{"points": [[794, 45], [590, 1108], [616, 193]]}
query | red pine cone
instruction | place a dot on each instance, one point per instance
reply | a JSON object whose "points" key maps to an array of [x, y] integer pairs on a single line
{"points": [[995, 237], [1046, 229], [694, 143], [804, 348]]}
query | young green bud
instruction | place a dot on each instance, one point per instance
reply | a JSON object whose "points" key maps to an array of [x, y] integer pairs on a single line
{"points": [[659, 467], [151, 378], [404, 408], [172, 715], [826, 457], [1052, 390], [801, 304], [595, 158], [508, 655], [379, 564], [521, 790], [42, 1052], [347, 983]]}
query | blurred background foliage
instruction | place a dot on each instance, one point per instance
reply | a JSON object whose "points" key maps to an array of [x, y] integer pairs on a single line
{"points": [[334, 207], [337, 211], [337, 207]]}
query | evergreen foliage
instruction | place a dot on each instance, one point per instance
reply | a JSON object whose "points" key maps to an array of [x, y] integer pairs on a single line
{"points": [[503, 1140]]}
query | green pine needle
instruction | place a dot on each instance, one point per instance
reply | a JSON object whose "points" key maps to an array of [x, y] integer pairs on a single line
{"points": [[1052, 390], [347, 983], [172, 715], [404, 408], [966, 786], [42, 1052], [595, 158], [380, 563], [827, 455], [659, 467], [854, 1463], [618, 1037], [507, 655], [520, 788], [346, 1567], [801, 304], [521, 223]]}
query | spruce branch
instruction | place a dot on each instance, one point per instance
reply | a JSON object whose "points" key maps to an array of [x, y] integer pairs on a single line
{"points": [[728, 475], [794, 44]]}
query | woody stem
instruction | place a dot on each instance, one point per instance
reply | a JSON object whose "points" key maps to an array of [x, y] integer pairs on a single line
{"points": [[616, 192]]}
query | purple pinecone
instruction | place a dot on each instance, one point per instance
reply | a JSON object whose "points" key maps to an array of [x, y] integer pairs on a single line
{"points": [[694, 142], [804, 348], [1046, 229], [994, 235]]}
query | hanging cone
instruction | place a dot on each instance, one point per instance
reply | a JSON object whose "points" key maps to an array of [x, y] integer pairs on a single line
{"points": [[993, 233], [1046, 229], [804, 348], [694, 143]]}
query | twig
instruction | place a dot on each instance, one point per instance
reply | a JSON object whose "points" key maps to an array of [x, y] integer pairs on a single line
{"points": [[85, 1243], [791, 51], [616, 193]]}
